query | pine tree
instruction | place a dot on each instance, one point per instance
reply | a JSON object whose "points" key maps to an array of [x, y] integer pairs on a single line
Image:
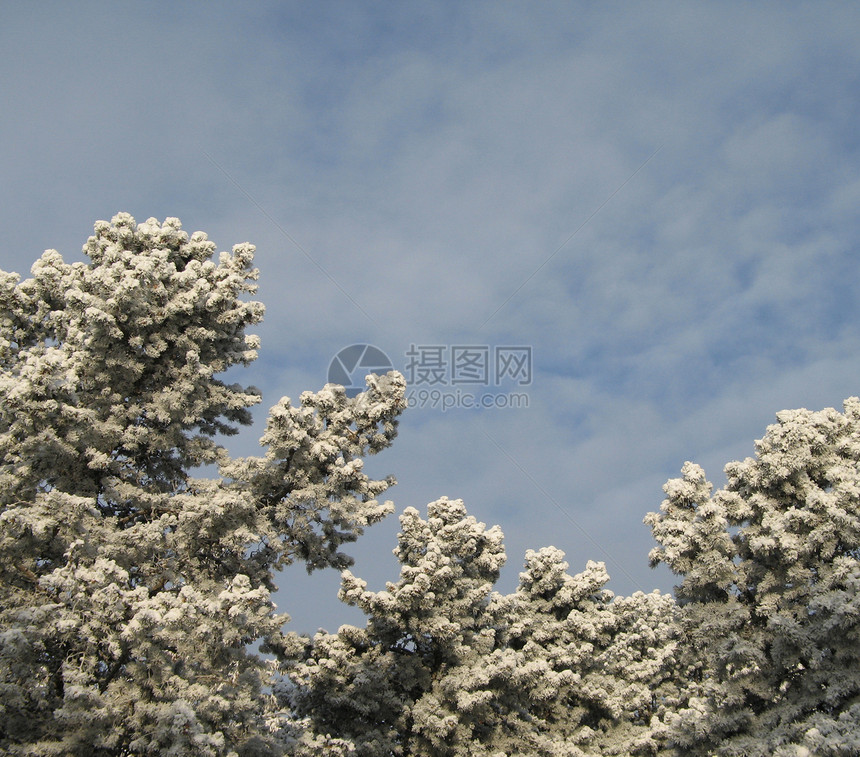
{"points": [[393, 687], [598, 667], [448, 667], [129, 589], [771, 569]]}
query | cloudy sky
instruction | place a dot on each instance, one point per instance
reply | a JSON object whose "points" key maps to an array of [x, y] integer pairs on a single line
{"points": [[660, 200]]}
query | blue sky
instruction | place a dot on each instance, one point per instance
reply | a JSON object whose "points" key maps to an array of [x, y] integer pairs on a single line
{"points": [[659, 199]]}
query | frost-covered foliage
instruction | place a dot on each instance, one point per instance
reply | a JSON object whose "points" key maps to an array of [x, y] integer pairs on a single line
{"points": [[393, 687], [771, 571], [129, 590], [446, 666], [593, 670]]}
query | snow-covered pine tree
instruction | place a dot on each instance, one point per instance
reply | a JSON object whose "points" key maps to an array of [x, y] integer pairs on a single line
{"points": [[593, 670], [130, 590], [394, 687], [446, 667], [770, 568]]}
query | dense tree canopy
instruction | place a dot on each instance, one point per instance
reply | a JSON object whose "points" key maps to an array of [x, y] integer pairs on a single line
{"points": [[446, 666], [135, 595]]}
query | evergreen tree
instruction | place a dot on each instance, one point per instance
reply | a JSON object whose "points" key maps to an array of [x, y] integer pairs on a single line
{"points": [[395, 686], [771, 570], [597, 668], [447, 666], [130, 590]]}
